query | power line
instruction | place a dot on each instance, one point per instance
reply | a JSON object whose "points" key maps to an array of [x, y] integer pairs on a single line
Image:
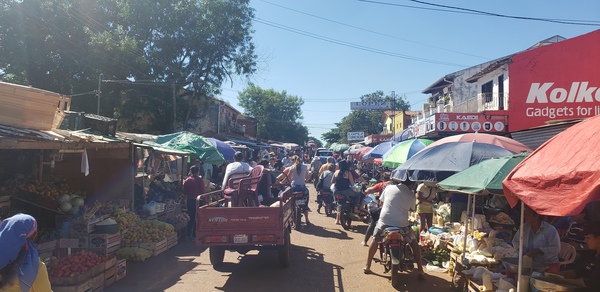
{"points": [[371, 31], [456, 9], [355, 46]]}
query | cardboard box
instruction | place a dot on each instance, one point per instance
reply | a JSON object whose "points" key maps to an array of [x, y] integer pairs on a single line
{"points": [[121, 269]]}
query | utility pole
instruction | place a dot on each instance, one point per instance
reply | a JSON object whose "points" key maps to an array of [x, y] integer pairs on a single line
{"points": [[99, 92], [174, 108], [393, 114]]}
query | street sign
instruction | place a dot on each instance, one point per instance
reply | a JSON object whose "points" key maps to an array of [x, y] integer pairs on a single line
{"points": [[370, 105], [355, 136]]}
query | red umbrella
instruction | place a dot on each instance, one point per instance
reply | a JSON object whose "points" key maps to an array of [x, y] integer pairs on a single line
{"points": [[561, 176], [504, 142], [364, 151]]}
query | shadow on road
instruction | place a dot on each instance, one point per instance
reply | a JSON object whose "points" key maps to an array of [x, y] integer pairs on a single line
{"points": [[167, 269], [325, 232], [409, 282], [261, 272]]}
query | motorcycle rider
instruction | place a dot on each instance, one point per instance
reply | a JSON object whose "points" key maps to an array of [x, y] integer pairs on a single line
{"points": [[315, 166], [343, 180], [396, 201], [297, 174], [326, 178]]}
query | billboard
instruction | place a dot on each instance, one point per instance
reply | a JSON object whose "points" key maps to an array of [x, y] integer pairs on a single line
{"points": [[470, 123], [560, 81], [355, 136], [370, 105]]}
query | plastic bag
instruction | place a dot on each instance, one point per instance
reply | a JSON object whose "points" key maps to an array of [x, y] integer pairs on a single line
{"points": [[150, 208]]}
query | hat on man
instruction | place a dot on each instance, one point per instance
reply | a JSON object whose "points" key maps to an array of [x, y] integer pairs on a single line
{"points": [[272, 154]]}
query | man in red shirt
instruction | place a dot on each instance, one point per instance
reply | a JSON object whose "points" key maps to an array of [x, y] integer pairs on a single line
{"points": [[193, 186]]}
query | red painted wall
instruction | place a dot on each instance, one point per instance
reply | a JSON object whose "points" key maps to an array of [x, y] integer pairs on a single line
{"points": [[560, 81]]}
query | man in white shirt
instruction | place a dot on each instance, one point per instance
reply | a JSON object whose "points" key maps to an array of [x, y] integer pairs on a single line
{"points": [[396, 202], [540, 239], [238, 166]]}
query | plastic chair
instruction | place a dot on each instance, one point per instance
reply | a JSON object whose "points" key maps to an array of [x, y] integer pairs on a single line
{"points": [[248, 187], [567, 254]]}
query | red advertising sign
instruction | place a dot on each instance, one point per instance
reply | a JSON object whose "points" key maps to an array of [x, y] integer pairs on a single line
{"points": [[560, 81], [377, 138], [470, 123]]}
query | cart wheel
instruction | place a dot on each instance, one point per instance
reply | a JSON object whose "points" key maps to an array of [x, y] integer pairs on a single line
{"points": [[217, 254], [345, 219], [284, 250]]}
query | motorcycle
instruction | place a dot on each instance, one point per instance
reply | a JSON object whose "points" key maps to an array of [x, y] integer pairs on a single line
{"points": [[396, 253], [346, 205], [301, 202], [325, 199]]}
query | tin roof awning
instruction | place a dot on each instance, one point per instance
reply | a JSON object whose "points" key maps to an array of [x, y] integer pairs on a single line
{"points": [[164, 150]]}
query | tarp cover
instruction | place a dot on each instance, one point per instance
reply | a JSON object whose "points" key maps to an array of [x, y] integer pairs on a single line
{"points": [[560, 177], [190, 142]]}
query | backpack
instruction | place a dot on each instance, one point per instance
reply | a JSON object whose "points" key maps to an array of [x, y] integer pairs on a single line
{"points": [[320, 184]]}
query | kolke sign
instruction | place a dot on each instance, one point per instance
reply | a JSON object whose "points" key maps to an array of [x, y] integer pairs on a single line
{"points": [[355, 136], [370, 105]]}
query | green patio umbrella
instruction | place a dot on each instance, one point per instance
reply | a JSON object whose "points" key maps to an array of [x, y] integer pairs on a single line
{"points": [[195, 144], [402, 151], [335, 147], [483, 178]]}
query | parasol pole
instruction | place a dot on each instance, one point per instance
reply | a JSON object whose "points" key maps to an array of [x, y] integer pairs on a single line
{"points": [[520, 247], [473, 214], [466, 226]]}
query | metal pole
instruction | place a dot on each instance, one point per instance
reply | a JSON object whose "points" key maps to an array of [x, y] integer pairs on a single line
{"points": [[174, 108], [520, 273], [99, 93], [393, 114]]}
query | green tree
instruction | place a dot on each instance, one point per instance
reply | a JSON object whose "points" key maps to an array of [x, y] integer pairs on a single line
{"points": [[64, 45], [279, 115], [367, 121]]}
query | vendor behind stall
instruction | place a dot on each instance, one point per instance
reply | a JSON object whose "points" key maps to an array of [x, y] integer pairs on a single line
{"points": [[586, 272], [540, 240]]}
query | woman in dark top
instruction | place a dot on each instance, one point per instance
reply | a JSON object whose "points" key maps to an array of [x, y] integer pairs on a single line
{"points": [[343, 180], [586, 272]]}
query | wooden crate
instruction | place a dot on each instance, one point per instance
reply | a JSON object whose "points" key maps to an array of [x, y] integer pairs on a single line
{"points": [[98, 282], [110, 275], [102, 240], [172, 241], [121, 269], [31, 108], [107, 249], [156, 247], [71, 281], [110, 264], [82, 287], [82, 228]]}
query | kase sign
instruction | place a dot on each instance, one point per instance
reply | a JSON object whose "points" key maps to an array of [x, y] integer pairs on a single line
{"points": [[355, 136]]}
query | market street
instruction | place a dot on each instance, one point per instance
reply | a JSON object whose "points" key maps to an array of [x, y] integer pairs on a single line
{"points": [[324, 257]]}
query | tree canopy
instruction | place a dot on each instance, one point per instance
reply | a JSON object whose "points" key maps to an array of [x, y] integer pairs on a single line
{"points": [[278, 114], [141, 48], [367, 121]]}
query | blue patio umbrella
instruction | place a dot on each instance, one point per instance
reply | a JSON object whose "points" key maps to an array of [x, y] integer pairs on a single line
{"points": [[379, 150], [441, 161], [225, 149]]}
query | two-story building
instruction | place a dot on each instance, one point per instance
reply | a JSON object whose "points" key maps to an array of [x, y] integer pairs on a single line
{"points": [[530, 95]]}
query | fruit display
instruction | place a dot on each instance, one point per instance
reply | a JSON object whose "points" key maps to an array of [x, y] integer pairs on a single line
{"points": [[125, 218], [179, 220], [73, 265], [135, 254], [71, 203], [148, 231]]}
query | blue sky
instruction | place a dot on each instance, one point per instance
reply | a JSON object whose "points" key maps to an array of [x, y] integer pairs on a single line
{"points": [[358, 47]]}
